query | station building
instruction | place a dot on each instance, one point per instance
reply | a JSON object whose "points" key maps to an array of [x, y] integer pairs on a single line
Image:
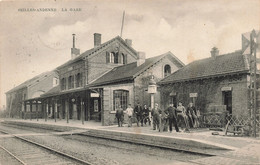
{"points": [[95, 82], [128, 84], [218, 83], [218, 80]]}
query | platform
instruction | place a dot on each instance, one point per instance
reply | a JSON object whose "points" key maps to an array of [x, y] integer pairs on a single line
{"points": [[197, 140]]}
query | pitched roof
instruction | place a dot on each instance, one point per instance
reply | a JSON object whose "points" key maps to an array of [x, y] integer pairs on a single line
{"points": [[31, 81], [221, 65], [97, 50], [53, 91], [130, 71]]}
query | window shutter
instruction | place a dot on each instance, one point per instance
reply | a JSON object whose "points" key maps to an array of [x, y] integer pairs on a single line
{"points": [[107, 57]]}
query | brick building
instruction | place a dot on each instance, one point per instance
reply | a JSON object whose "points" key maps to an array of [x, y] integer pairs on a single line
{"points": [[218, 80], [128, 83], [94, 83], [71, 99], [29, 89]]}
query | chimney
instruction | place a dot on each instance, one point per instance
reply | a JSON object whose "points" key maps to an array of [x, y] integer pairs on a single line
{"points": [[97, 39], [128, 42], [214, 52], [74, 51], [73, 41], [141, 58]]}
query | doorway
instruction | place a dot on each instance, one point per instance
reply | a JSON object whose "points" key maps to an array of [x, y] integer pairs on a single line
{"points": [[173, 100], [95, 109], [227, 100]]}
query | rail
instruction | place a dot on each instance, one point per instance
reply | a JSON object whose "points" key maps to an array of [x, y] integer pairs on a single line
{"points": [[46, 148]]}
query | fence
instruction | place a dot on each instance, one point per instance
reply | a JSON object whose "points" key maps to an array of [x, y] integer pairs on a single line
{"points": [[233, 124]]}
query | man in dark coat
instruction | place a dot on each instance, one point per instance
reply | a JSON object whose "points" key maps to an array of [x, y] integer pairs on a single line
{"points": [[145, 116], [172, 116], [120, 116], [189, 112], [156, 116], [138, 113]]}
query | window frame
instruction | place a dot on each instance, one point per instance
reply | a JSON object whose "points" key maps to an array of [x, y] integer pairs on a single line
{"points": [[78, 80], [123, 95], [166, 74]]}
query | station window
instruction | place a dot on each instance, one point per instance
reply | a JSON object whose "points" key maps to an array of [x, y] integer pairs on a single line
{"points": [[78, 80], [116, 58], [167, 70], [123, 58], [71, 82], [63, 84], [113, 58], [120, 97]]}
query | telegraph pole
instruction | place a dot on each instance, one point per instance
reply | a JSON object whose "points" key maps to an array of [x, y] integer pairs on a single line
{"points": [[251, 85], [122, 24], [255, 68], [121, 35], [253, 73]]}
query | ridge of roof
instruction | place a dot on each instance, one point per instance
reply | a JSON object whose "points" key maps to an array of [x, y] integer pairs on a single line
{"points": [[30, 81], [92, 51], [128, 71], [158, 58], [52, 91], [233, 62]]}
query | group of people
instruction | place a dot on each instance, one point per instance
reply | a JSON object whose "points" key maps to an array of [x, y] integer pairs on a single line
{"points": [[171, 115], [141, 114], [162, 119]]}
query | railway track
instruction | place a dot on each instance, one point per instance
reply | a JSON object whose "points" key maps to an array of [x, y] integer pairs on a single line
{"points": [[184, 162], [154, 153], [26, 152]]}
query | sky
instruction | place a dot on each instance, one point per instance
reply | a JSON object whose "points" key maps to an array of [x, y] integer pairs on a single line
{"points": [[32, 42]]}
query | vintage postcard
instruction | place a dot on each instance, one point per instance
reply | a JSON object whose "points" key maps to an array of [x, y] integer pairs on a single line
{"points": [[129, 82]]}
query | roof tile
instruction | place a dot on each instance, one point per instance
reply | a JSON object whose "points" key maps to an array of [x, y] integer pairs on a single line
{"points": [[222, 64]]}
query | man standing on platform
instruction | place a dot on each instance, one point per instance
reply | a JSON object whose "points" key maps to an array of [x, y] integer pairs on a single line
{"points": [[120, 116], [156, 116], [172, 116], [129, 111], [145, 116], [138, 113], [182, 111]]}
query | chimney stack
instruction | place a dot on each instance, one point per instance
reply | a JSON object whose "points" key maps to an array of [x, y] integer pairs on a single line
{"points": [[128, 42], [74, 51], [214, 52], [141, 58], [97, 40], [73, 42]]}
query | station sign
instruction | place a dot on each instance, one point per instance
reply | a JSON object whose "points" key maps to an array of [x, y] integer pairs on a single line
{"points": [[152, 89], [173, 93], [226, 89], [193, 94], [94, 94]]}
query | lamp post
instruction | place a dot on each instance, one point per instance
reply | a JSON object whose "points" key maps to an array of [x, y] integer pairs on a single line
{"points": [[152, 89]]}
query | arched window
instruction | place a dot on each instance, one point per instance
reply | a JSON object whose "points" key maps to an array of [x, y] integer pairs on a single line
{"points": [[167, 70], [63, 84], [120, 97], [116, 58], [123, 59], [71, 82], [112, 57], [78, 80]]}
